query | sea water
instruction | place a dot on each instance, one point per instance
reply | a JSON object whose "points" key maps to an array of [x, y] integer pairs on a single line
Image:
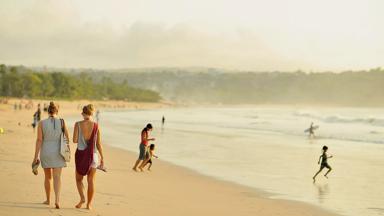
{"points": [[266, 148]]}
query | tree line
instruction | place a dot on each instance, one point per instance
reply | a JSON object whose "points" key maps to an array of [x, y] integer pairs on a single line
{"points": [[27, 83], [350, 88]]}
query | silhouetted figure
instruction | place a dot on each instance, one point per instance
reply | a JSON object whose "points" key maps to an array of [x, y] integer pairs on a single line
{"points": [[311, 130], [38, 113], [324, 163], [97, 116]]}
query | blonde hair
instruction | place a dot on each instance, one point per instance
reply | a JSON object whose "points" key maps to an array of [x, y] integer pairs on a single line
{"points": [[53, 108], [88, 109]]}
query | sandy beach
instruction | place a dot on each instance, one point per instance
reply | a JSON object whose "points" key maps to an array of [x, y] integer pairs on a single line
{"points": [[168, 190]]}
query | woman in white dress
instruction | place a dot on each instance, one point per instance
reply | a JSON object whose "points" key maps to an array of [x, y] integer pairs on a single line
{"points": [[48, 147]]}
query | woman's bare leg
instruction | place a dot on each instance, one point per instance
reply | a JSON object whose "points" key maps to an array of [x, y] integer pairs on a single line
{"points": [[80, 189], [91, 187], [47, 185], [144, 163], [136, 164], [57, 185]]}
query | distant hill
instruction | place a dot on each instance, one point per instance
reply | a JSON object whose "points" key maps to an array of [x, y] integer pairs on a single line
{"points": [[216, 86], [351, 88]]}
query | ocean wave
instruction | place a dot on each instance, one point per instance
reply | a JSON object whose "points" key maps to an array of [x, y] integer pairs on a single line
{"points": [[351, 139], [342, 119], [341, 137]]}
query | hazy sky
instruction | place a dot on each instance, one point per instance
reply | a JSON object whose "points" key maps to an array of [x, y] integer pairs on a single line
{"points": [[236, 34]]}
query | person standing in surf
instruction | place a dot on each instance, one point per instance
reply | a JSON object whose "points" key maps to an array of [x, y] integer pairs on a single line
{"points": [[97, 116], [311, 131], [324, 163], [143, 147], [87, 136]]}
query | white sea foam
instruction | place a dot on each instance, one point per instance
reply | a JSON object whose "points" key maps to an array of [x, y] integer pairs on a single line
{"points": [[267, 148]]}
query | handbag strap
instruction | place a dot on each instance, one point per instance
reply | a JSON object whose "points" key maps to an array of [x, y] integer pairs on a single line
{"points": [[62, 125], [62, 129]]}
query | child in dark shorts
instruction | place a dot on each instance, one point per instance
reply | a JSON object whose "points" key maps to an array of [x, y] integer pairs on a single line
{"points": [[324, 163], [150, 155]]}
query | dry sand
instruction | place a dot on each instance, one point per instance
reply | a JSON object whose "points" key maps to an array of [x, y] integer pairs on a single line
{"points": [[168, 190]]}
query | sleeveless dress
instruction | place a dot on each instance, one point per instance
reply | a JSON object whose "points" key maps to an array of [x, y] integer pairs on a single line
{"points": [[82, 144], [50, 156]]}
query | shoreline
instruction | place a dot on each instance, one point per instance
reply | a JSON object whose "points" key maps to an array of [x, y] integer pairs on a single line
{"points": [[172, 189]]}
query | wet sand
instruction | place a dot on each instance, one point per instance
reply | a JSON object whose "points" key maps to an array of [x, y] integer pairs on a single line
{"points": [[167, 190]]}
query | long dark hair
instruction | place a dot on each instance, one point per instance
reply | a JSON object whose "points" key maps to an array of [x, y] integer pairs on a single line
{"points": [[149, 126]]}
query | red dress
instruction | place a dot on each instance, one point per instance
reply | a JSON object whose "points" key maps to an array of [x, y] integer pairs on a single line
{"points": [[84, 158]]}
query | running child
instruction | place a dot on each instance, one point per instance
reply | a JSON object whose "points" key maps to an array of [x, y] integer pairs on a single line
{"points": [[324, 163], [151, 154]]}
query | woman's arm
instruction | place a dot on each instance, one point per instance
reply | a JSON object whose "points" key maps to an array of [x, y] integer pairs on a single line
{"points": [[148, 139], [99, 147], [144, 136], [75, 132], [39, 141], [66, 131], [319, 159]]}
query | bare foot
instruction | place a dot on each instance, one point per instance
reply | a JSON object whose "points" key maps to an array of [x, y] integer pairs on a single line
{"points": [[149, 169], [325, 176], [89, 207], [141, 169], [46, 202], [57, 206], [314, 179], [80, 204], [134, 169]]}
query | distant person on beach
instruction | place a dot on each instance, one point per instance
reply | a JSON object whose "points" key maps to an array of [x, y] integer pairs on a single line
{"points": [[311, 130], [97, 116], [38, 113], [143, 147], [150, 156], [162, 124], [34, 122], [324, 163], [86, 134], [36, 117], [48, 146]]}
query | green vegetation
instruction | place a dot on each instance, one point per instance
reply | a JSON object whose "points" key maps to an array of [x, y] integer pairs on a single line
{"points": [[23, 82], [198, 86], [350, 88]]}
